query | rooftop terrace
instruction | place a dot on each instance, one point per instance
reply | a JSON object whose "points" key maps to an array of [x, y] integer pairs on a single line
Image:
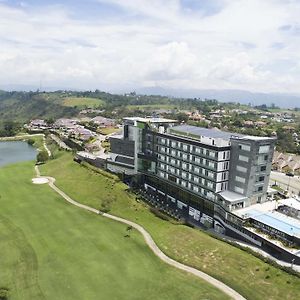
{"points": [[151, 120], [195, 132]]}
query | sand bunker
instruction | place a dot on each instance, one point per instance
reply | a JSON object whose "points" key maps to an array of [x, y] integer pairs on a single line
{"points": [[40, 180]]}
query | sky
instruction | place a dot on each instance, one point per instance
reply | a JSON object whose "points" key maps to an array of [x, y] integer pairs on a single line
{"points": [[116, 45]]}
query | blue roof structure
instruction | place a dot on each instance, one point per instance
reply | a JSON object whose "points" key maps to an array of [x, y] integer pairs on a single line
{"points": [[276, 220]]}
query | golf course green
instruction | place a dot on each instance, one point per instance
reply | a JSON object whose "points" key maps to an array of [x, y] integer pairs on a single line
{"points": [[52, 250], [248, 275]]}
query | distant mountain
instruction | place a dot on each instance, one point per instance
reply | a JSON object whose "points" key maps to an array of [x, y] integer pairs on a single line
{"points": [[27, 88], [283, 100]]}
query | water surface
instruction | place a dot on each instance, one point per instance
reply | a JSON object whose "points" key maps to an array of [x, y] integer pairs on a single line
{"points": [[16, 151]]}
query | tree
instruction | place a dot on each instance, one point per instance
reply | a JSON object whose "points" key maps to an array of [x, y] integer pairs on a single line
{"points": [[42, 156], [30, 142], [182, 117]]}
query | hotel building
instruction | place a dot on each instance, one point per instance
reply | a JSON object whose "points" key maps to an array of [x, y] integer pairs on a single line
{"points": [[197, 174]]}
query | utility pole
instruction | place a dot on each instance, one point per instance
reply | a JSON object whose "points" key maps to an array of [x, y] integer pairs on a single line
{"points": [[292, 264], [288, 186]]}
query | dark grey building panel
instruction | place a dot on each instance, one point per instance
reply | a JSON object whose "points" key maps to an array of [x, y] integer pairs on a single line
{"points": [[122, 147]]}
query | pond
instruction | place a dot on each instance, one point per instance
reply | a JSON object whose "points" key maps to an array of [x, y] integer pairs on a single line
{"points": [[16, 151]]}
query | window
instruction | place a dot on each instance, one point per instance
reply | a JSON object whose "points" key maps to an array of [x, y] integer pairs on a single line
{"points": [[211, 164], [161, 174], [263, 168], [260, 188], [240, 179], [210, 185], [222, 176], [245, 147], [238, 190], [261, 178], [172, 178], [264, 149], [172, 170], [212, 154], [241, 169], [243, 158], [211, 174], [185, 147], [162, 157], [195, 189]]}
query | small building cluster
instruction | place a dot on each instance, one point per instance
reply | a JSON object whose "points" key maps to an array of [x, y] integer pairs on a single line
{"points": [[286, 163]]}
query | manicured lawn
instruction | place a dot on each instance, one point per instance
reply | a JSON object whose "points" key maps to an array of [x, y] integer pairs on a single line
{"points": [[82, 102], [52, 250], [242, 271], [108, 130]]}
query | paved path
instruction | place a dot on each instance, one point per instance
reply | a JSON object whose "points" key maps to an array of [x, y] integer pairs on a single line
{"points": [[150, 242], [265, 254], [59, 142], [46, 147]]}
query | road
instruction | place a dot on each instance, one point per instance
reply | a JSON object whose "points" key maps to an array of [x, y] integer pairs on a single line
{"points": [[59, 142], [150, 242], [292, 184]]}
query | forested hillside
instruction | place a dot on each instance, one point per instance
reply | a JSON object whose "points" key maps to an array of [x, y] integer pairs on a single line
{"points": [[23, 106]]}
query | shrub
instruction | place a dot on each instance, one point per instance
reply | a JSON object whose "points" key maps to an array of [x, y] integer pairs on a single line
{"points": [[3, 293], [30, 142], [159, 214]]}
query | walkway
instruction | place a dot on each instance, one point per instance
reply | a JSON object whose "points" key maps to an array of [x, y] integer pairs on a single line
{"points": [[150, 242], [59, 142], [46, 147]]}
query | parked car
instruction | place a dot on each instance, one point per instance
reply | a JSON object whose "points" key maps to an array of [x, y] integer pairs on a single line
{"points": [[290, 174]]}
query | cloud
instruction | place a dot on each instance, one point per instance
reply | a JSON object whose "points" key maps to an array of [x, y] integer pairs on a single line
{"points": [[219, 44]]}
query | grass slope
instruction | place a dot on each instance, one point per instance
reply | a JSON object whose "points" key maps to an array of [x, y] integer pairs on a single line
{"points": [[82, 102], [245, 273], [53, 250]]}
